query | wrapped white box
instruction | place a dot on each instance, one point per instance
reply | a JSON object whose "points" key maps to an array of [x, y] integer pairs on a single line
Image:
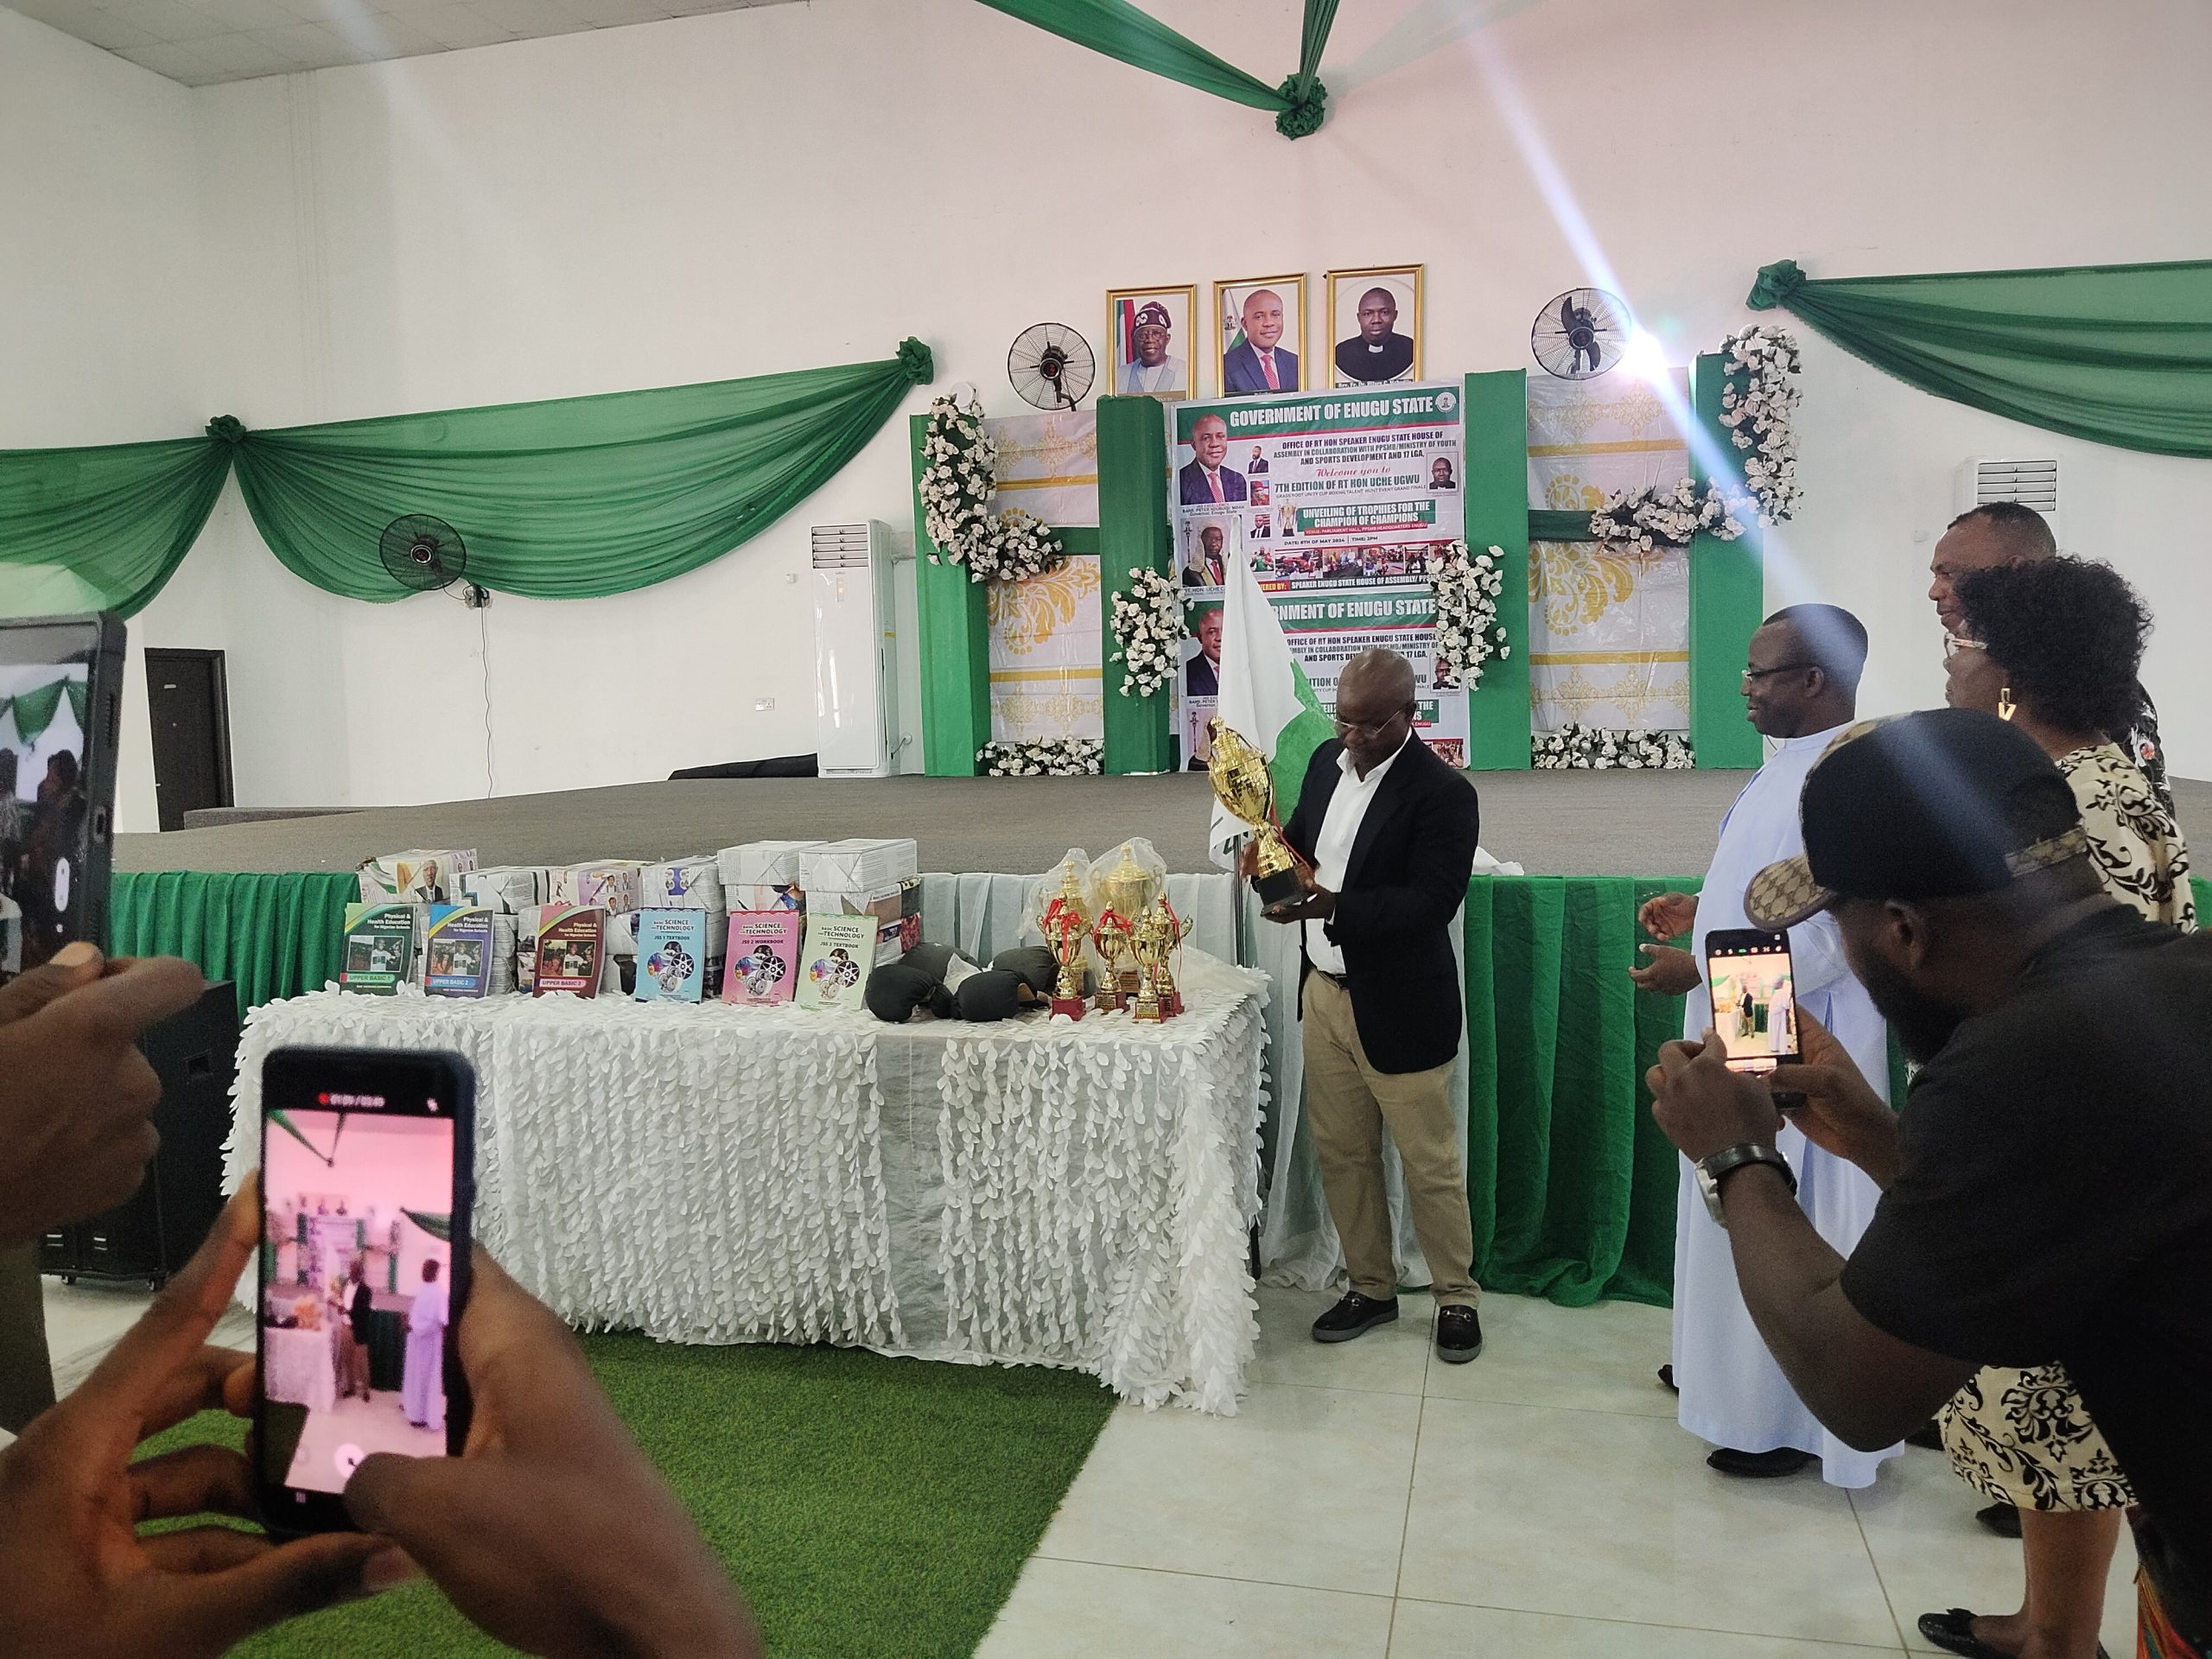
{"points": [[508, 888], [610, 884], [859, 864], [421, 875], [764, 898], [763, 863], [681, 884]]}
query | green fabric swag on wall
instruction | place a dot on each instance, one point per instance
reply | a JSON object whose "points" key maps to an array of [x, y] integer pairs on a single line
{"points": [[1122, 31], [570, 498], [33, 710], [2118, 354]]}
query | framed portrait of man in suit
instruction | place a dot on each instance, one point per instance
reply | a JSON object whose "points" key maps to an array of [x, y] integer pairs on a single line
{"points": [[1152, 342], [1375, 324], [1261, 335]]}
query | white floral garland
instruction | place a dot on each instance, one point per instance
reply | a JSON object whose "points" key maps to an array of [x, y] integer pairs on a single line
{"points": [[1148, 624], [1760, 394], [1468, 632], [1597, 749], [1758, 402], [1043, 757], [958, 480]]}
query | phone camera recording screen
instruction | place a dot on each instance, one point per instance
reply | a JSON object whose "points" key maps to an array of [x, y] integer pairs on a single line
{"points": [[1754, 1003], [356, 1280], [47, 790]]}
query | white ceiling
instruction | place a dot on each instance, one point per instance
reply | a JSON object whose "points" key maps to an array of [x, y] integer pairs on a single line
{"points": [[200, 42]]}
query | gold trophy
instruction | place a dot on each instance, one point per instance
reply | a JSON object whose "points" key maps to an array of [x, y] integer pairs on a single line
{"points": [[1151, 963], [1066, 924], [1172, 930], [1241, 783], [1119, 897]]}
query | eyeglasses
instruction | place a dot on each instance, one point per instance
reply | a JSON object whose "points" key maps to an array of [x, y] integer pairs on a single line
{"points": [[1953, 645], [1751, 675], [1370, 727]]}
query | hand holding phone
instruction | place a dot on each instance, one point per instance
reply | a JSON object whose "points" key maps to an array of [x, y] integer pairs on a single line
{"points": [[543, 1528], [81, 1577]]}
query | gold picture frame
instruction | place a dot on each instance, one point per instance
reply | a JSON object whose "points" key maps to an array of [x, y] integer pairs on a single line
{"points": [[1404, 285], [1188, 331], [1243, 379]]}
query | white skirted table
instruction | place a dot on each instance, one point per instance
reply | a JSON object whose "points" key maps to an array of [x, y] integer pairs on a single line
{"points": [[1032, 1192], [298, 1368]]}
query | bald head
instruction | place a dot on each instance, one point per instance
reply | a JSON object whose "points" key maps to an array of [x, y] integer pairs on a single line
{"points": [[1375, 707], [1376, 674], [1984, 538]]}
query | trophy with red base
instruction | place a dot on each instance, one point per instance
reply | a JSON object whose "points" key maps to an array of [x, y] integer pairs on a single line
{"points": [[1066, 924]]}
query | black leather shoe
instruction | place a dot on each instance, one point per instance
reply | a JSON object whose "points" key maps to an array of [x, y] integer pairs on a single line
{"points": [[1666, 1380], [1926, 1435], [1759, 1465], [2000, 1518], [1458, 1335], [1354, 1316]]}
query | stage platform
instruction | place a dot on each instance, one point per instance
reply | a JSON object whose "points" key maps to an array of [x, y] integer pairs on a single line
{"points": [[1552, 822]]}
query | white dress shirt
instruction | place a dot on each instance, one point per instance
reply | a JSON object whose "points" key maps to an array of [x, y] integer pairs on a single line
{"points": [[1269, 371], [1332, 846]]}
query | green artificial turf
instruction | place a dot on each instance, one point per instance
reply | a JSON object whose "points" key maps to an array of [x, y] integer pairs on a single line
{"points": [[868, 1506]]}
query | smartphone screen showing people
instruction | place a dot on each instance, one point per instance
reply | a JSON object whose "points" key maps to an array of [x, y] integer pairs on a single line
{"points": [[1754, 1000], [364, 1162], [59, 679]]}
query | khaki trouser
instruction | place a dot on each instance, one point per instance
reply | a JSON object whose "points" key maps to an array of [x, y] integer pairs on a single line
{"points": [[25, 1373], [1347, 1102]]}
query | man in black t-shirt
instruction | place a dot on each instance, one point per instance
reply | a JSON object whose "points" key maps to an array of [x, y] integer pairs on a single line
{"points": [[2048, 1186]]}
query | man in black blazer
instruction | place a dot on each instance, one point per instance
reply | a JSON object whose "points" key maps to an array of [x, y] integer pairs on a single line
{"points": [[1389, 831]]}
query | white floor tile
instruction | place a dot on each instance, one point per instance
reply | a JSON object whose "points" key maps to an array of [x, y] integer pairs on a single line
{"points": [[1536, 1353], [1304, 1486], [1931, 1553], [1389, 1359], [88, 1317], [1077, 1610], [1428, 1629], [1601, 1514]]}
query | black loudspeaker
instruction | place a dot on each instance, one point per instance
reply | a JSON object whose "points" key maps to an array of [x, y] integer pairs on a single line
{"points": [[153, 1232]]}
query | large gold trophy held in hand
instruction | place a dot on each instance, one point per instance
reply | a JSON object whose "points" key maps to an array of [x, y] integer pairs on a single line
{"points": [[1241, 783]]}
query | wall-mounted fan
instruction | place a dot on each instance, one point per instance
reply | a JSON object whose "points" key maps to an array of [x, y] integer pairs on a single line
{"points": [[1051, 364], [423, 555], [1580, 334]]}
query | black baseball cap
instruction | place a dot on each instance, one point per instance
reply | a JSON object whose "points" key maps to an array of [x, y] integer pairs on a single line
{"points": [[1940, 804]]}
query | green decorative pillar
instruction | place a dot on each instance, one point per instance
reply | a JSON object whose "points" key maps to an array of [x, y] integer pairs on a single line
{"points": [[1495, 424], [1133, 536], [955, 646], [1727, 595]]}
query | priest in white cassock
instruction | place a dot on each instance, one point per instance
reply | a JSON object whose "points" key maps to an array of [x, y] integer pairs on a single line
{"points": [[1801, 686], [423, 1385]]}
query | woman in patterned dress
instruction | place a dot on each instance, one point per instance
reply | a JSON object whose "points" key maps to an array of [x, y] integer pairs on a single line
{"points": [[2053, 648]]}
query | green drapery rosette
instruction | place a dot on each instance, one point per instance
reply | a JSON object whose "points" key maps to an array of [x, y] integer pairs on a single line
{"points": [[570, 498], [1122, 31], [2118, 354]]}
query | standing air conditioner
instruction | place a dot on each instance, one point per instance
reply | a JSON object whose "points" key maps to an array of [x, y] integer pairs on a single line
{"points": [[856, 682], [2031, 483]]}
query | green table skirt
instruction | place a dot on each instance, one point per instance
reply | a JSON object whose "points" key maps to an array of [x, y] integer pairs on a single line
{"points": [[1571, 1183]]}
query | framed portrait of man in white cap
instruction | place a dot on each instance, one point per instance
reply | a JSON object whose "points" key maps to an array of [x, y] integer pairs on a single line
{"points": [[1149, 331]]}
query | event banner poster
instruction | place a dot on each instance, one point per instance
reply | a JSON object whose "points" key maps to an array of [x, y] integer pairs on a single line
{"points": [[1335, 497]]}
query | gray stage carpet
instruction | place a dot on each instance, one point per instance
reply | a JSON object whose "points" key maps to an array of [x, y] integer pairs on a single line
{"points": [[1555, 824]]}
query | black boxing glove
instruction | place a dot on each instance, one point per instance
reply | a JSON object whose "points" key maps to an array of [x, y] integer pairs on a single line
{"points": [[992, 993], [935, 960], [896, 991], [1032, 964]]}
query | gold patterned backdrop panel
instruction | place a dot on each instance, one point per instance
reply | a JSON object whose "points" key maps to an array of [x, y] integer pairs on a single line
{"points": [[1024, 615], [1046, 668]]}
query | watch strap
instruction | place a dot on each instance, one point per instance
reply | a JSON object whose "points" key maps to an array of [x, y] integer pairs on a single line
{"points": [[1728, 1160]]}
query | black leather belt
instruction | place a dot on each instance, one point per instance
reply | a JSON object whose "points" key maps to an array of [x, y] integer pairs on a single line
{"points": [[1339, 978]]}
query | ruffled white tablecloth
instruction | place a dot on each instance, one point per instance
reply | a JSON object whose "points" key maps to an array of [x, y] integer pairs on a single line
{"points": [[1072, 1194], [297, 1368]]}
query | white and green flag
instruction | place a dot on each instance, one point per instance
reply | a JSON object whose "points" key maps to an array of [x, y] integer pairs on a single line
{"points": [[1265, 698]]}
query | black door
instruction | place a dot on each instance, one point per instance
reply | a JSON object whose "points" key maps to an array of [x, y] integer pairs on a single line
{"points": [[191, 711]]}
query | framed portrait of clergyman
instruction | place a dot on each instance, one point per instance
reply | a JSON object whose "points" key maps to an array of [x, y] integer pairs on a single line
{"points": [[1375, 324], [1260, 324], [1152, 339]]}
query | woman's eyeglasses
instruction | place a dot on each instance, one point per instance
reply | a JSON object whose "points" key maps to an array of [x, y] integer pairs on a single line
{"points": [[1953, 645]]}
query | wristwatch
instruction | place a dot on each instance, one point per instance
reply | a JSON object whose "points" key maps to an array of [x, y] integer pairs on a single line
{"points": [[1713, 1171]]}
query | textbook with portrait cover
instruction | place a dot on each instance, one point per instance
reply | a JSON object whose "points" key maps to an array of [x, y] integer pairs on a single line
{"points": [[839, 952], [761, 967], [457, 950], [571, 944], [380, 948]]}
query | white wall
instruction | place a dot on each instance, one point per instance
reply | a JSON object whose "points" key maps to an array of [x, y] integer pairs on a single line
{"points": [[799, 185]]}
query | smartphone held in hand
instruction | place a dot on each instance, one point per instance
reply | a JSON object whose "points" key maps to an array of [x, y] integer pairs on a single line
{"points": [[367, 1160], [1754, 997], [60, 685]]}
